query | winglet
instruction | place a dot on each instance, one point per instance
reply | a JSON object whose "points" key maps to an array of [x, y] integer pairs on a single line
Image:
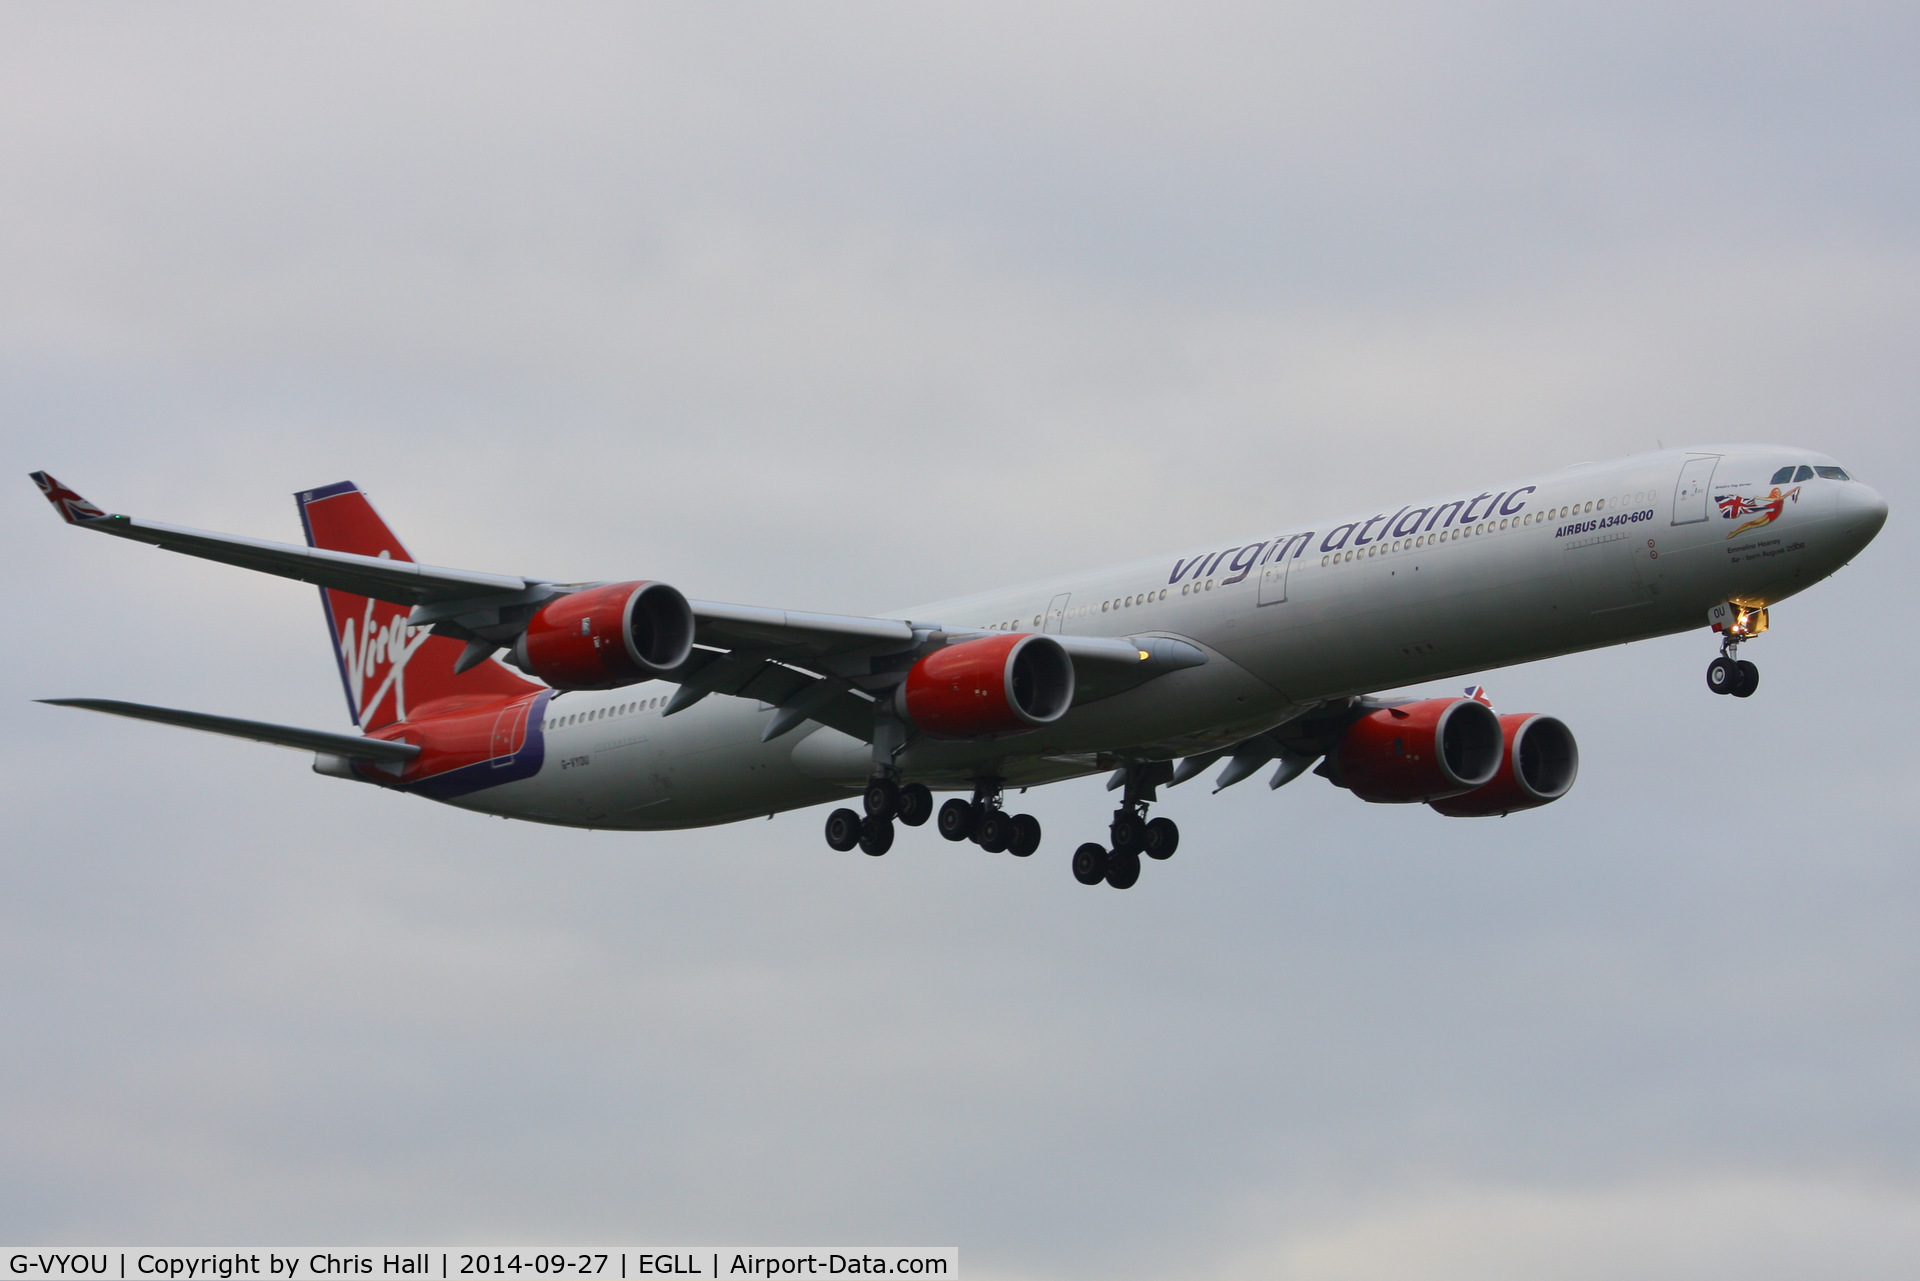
{"points": [[73, 509]]}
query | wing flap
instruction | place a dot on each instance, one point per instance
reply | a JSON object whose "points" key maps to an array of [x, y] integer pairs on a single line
{"points": [[774, 684]]}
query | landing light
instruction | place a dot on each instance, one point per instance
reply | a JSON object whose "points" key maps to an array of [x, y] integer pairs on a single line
{"points": [[1738, 621]]}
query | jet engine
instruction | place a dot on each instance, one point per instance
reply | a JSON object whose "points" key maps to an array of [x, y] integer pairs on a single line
{"points": [[1537, 768], [1419, 751], [607, 636], [996, 685]]}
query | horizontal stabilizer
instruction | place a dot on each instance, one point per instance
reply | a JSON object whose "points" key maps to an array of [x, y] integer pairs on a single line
{"points": [[314, 740]]}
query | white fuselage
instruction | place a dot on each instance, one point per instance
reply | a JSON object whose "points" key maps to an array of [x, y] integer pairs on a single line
{"points": [[1588, 556]]}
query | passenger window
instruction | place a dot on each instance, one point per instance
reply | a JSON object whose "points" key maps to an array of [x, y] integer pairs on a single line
{"points": [[1805, 473], [1782, 477], [1831, 473]]}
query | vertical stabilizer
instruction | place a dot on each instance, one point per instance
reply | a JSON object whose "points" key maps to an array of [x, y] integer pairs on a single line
{"points": [[389, 668]]}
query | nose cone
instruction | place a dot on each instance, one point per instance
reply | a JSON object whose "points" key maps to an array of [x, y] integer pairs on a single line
{"points": [[1863, 508], [1862, 511]]}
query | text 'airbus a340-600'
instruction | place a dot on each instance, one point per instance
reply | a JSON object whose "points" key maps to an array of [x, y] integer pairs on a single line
{"points": [[630, 706]]}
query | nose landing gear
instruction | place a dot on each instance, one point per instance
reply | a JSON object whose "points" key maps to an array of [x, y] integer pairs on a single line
{"points": [[1729, 673]]}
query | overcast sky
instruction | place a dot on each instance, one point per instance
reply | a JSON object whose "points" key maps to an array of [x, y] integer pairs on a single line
{"points": [[849, 307]]}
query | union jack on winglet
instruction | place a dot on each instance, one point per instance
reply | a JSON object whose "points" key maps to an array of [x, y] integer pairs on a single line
{"points": [[73, 509]]}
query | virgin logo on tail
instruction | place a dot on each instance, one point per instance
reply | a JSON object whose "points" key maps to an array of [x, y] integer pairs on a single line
{"points": [[377, 651], [371, 637]]}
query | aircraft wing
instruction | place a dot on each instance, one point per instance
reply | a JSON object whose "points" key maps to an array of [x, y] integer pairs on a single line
{"points": [[792, 633], [314, 740], [750, 628], [401, 582], [789, 658]]}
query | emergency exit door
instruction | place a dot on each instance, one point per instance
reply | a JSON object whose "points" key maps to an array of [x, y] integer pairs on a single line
{"points": [[1273, 578]]}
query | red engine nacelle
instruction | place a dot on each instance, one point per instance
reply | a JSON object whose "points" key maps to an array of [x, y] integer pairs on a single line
{"points": [[1537, 768], [608, 636], [996, 685], [1419, 751]]}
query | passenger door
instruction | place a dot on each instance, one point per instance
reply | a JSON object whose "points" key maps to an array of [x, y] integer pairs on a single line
{"points": [[1690, 496], [1057, 613]]}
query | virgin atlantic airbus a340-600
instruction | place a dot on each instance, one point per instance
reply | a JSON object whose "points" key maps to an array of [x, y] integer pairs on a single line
{"points": [[649, 710]]}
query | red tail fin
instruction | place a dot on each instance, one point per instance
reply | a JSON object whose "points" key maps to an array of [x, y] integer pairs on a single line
{"points": [[388, 667]]}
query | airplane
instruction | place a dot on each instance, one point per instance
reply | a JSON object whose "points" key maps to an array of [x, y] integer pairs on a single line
{"points": [[636, 708]]}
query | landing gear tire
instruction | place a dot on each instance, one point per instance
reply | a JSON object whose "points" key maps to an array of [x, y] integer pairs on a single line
{"points": [[1162, 838], [956, 820], [882, 799], [996, 831], [916, 804], [1127, 832], [1746, 679], [876, 835], [1026, 836], [1090, 864], [1123, 870], [1723, 675], [843, 830]]}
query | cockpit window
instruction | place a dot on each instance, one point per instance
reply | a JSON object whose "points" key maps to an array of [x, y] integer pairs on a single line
{"points": [[1831, 473], [1783, 477], [1805, 473]]}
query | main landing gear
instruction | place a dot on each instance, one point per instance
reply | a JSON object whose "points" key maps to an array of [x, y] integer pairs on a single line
{"points": [[884, 802], [982, 821], [1729, 673], [1131, 833]]}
